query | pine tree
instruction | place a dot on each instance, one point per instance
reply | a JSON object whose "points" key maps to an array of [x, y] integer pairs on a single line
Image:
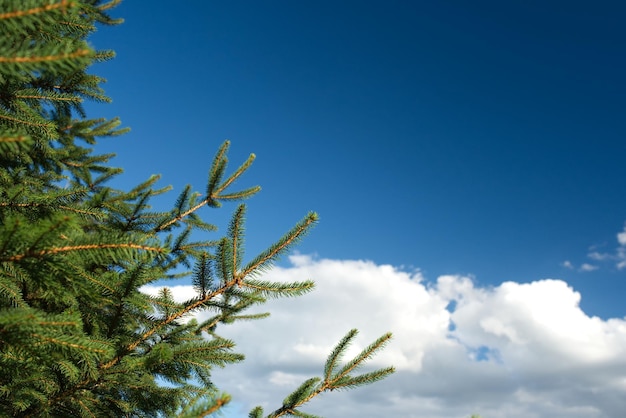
{"points": [[77, 336]]}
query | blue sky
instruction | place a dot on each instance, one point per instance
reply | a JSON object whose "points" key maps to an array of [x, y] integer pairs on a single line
{"points": [[477, 139]]}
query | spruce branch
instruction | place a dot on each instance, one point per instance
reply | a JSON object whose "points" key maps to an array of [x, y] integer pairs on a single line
{"points": [[225, 264], [216, 193], [240, 195], [338, 351], [202, 278], [333, 379], [9, 139], [44, 205], [47, 126], [109, 5], [34, 94], [9, 289], [72, 248], [235, 234], [180, 216], [217, 168], [166, 321], [264, 260], [63, 4], [250, 317], [367, 353], [218, 404], [46, 58], [257, 412], [14, 142], [70, 343], [224, 260], [272, 289], [86, 409], [214, 188], [199, 406]]}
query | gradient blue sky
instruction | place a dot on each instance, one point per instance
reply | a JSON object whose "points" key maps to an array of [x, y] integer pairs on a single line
{"points": [[481, 139]]}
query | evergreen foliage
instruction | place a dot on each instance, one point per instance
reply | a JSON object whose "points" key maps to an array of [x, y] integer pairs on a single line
{"points": [[77, 336]]}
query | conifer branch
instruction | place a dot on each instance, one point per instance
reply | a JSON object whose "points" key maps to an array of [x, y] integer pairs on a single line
{"points": [[202, 274], [9, 289], [46, 58], [332, 379], [171, 318], [240, 195], [9, 139], [193, 411], [61, 396], [57, 323], [234, 176], [77, 25], [335, 355], [39, 205], [219, 403], [67, 343], [79, 211], [235, 232], [280, 247], [280, 289], [57, 98], [109, 5], [249, 317], [224, 260], [70, 248], [363, 356], [36, 10], [46, 234], [46, 125], [84, 407], [181, 216], [214, 188], [217, 168], [10, 236]]}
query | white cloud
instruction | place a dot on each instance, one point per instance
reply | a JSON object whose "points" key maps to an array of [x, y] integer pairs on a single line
{"points": [[588, 267], [618, 257], [585, 267], [621, 237], [621, 258], [594, 255], [620, 253], [515, 350]]}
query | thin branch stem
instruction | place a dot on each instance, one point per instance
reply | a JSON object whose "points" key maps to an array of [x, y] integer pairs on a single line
{"points": [[182, 215], [36, 10], [310, 220], [69, 248], [46, 58]]}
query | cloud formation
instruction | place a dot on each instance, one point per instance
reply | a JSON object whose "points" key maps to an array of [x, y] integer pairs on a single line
{"points": [[618, 257], [515, 350], [585, 267]]}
